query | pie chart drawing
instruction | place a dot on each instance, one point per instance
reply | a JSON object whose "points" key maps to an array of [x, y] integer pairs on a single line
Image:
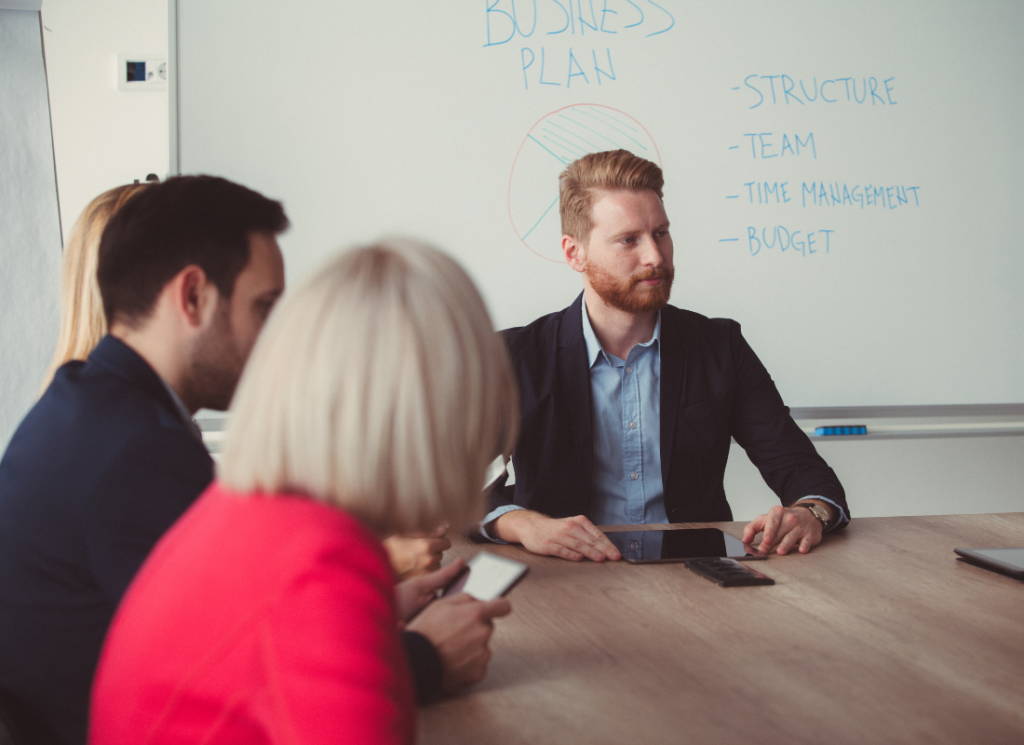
{"points": [[554, 142]]}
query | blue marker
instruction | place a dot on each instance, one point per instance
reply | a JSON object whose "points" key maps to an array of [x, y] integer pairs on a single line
{"points": [[848, 429]]}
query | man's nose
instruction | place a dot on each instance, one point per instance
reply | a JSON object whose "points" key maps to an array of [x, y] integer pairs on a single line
{"points": [[650, 252]]}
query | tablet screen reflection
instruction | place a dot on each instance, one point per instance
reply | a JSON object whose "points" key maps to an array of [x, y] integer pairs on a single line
{"points": [[673, 545]]}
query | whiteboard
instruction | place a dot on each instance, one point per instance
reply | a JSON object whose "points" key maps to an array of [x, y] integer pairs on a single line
{"points": [[844, 179]]}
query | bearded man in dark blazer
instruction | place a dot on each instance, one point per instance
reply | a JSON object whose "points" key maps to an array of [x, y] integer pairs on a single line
{"points": [[109, 457], [629, 404]]}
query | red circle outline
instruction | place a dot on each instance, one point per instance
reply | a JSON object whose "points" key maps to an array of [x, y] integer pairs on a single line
{"points": [[520, 150]]}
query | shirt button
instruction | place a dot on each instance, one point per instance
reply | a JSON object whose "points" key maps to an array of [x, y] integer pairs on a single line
{"points": [[634, 545], [634, 475], [632, 425], [629, 370]]}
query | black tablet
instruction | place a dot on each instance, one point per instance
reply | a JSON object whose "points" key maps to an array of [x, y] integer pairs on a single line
{"points": [[1008, 561], [661, 546]]}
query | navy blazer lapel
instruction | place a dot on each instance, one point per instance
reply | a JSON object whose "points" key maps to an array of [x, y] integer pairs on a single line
{"points": [[672, 375], [574, 378]]}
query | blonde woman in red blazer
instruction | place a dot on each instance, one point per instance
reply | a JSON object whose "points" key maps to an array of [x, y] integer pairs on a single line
{"points": [[372, 405]]}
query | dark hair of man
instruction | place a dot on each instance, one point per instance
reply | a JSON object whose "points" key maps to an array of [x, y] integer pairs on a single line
{"points": [[201, 220]]}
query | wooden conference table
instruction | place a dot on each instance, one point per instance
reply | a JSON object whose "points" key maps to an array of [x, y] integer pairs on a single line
{"points": [[879, 635]]}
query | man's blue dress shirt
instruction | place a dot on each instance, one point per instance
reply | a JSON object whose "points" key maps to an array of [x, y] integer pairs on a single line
{"points": [[626, 397]]}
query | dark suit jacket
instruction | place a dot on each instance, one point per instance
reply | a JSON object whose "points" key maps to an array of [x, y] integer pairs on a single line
{"points": [[102, 465], [713, 389]]}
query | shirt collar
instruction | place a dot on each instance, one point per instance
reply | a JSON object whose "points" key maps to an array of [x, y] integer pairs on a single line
{"points": [[594, 348], [185, 415]]}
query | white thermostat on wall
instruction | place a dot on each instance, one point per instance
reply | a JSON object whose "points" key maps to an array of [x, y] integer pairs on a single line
{"points": [[141, 72]]}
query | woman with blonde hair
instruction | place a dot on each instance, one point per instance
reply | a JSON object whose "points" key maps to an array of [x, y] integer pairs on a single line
{"points": [[82, 323], [373, 403]]}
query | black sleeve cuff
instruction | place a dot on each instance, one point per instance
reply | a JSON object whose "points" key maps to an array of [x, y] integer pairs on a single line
{"points": [[425, 664]]}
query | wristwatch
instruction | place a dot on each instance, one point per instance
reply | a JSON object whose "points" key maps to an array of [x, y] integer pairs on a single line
{"points": [[818, 511]]}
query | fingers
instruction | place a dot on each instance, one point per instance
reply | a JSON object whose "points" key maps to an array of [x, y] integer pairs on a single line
{"points": [[429, 552], [460, 629], [438, 541], [601, 541], [752, 528], [798, 527], [565, 538], [807, 543], [454, 600], [441, 577], [439, 545], [789, 539], [782, 529], [413, 593], [811, 531], [562, 552], [770, 528], [413, 555], [484, 610], [578, 540], [497, 608]]}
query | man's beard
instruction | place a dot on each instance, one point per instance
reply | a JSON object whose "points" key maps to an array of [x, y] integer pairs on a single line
{"points": [[216, 363], [628, 294]]}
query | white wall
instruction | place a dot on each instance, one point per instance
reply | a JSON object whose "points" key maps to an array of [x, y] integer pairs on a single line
{"points": [[29, 238], [102, 137], [935, 476]]}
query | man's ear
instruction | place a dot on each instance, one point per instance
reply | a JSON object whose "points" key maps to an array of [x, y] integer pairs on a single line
{"points": [[192, 295], [575, 253]]}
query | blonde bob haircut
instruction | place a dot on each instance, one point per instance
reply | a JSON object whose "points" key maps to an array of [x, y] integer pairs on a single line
{"points": [[584, 179], [380, 387], [82, 323]]}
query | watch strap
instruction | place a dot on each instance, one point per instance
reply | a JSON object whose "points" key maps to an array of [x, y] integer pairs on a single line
{"points": [[816, 510]]}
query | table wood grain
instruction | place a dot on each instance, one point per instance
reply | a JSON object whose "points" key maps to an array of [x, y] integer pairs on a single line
{"points": [[879, 635]]}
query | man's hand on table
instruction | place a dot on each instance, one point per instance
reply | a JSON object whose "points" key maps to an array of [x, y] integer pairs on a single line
{"points": [[573, 538], [783, 528]]}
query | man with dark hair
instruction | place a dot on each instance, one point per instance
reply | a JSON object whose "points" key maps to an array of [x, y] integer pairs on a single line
{"points": [[629, 405], [109, 457]]}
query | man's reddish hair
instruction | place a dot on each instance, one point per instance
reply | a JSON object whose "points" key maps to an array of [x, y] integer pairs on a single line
{"points": [[611, 170]]}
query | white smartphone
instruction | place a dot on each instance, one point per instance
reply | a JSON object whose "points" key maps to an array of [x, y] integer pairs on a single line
{"points": [[487, 576]]}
